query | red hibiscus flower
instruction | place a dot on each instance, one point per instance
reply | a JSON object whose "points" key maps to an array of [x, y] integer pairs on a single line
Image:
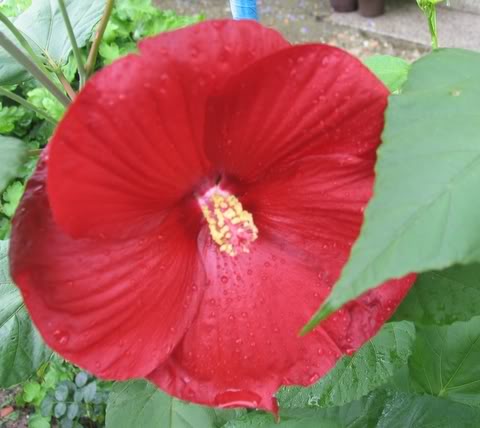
{"points": [[194, 208]]}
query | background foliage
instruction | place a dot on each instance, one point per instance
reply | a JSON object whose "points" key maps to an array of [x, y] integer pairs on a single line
{"points": [[420, 370]]}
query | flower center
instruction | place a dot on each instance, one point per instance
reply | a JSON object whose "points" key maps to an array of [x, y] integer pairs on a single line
{"points": [[231, 227]]}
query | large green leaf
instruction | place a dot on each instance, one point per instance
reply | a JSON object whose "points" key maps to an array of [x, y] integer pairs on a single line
{"points": [[22, 350], [392, 71], [354, 377], [381, 409], [43, 26], [140, 404], [12, 153], [424, 214], [443, 297], [387, 410], [445, 361], [357, 414], [422, 411]]}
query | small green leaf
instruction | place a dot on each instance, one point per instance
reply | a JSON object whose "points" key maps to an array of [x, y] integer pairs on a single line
{"points": [[353, 377], [12, 8], [44, 100], [139, 403], [391, 70], [445, 361], [12, 155], [78, 396], [81, 379], [422, 216], [22, 350], [9, 117], [443, 297], [46, 407], [31, 391], [38, 421], [11, 198], [72, 411], [61, 392], [89, 391], [60, 409]]}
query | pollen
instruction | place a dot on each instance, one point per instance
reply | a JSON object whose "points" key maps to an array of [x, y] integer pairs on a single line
{"points": [[231, 226]]}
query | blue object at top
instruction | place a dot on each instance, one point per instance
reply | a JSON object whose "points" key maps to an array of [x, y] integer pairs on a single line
{"points": [[244, 9]]}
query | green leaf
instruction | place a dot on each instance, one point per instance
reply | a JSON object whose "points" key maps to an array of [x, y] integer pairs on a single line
{"points": [[443, 297], [357, 414], [12, 154], [391, 70], [11, 198], [72, 411], [353, 377], [61, 392], [422, 411], [13, 8], [38, 421], [423, 215], [59, 410], [81, 379], [139, 403], [445, 361], [22, 350], [89, 391], [44, 100], [9, 116], [381, 409], [43, 26], [31, 391]]}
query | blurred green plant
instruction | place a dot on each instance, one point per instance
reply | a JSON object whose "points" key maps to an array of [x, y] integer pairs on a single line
{"points": [[61, 393]]}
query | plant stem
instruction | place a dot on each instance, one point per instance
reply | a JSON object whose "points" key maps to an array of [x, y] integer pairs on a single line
{"points": [[6, 93], [65, 83], [30, 66], [34, 152], [432, 26], [73, 41], [92, 55]]}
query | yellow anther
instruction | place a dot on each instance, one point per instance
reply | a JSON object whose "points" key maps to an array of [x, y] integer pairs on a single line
{"points": [[231, 227]]}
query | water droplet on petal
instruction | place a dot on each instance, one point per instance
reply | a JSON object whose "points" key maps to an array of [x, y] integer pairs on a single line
{"points": [[61, 336]]}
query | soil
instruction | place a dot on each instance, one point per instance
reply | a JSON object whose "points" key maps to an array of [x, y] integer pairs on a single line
{"points": [[10, 416]]}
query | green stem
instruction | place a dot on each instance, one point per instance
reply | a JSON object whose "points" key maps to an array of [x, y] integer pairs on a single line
{"points": [[65, 83], [73, 41], [432, 26], [6, 93], [19, 36], [30, 66], [92, 55], [34, 153]]}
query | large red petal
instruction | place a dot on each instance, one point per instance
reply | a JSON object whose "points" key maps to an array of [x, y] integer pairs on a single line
{"points": [[244, 343], [116, 308], [131, 144], [304, 100]]}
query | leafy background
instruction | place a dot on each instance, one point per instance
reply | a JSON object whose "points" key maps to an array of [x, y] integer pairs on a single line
{"points": [[421, 370]]}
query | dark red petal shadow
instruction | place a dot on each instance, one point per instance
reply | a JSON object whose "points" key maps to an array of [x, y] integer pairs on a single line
{"points": [[304, 100], [131, 145], [115, 308]]}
